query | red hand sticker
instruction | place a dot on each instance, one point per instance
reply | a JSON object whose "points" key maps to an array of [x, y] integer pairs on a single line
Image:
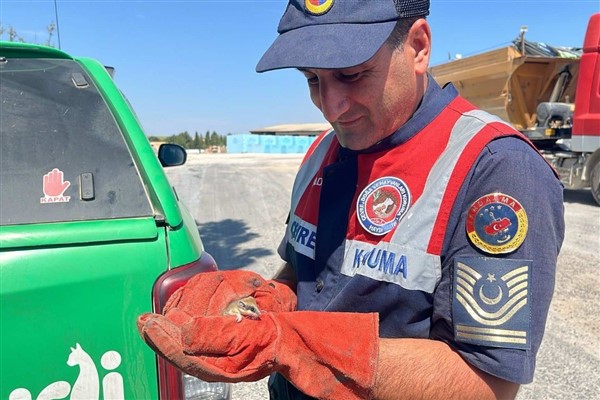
{"points": [[54, 187]]}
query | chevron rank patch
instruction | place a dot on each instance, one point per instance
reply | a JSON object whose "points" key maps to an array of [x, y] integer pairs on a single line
{"points": [[490, 302]]}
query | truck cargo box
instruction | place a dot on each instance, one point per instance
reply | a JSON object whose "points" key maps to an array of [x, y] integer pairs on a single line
{"points": [[512, 81]]}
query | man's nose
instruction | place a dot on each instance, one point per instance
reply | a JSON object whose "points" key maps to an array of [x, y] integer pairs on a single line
{"points": [[334, 100]]}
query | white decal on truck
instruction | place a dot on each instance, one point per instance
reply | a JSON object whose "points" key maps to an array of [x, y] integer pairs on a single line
{"points": [[87, 384]]}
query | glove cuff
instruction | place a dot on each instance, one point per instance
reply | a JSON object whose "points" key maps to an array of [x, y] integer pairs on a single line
{"points": [[331, 355]]}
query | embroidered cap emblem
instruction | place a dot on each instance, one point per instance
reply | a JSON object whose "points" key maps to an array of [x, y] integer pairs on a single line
{"points": [[497, 223], [490, 301], [382, 204], [318, 7]]}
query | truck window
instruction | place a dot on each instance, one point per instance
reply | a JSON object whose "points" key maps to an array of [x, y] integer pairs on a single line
{"points": [[62, 154]]}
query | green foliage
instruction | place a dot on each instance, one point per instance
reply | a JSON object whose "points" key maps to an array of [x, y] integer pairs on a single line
{"points": [[197, 142]]}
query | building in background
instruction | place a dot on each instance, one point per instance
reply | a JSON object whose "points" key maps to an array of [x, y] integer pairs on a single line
{"points": [[288, 138]]}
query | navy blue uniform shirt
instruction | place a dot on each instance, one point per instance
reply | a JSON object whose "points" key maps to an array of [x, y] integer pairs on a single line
{"points": [[506, 165]]}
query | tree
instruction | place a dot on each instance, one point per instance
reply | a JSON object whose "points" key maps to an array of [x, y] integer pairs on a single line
{"points": [[13, 35], [214, 139], [197, 144], [184, 139], [50, 28]]}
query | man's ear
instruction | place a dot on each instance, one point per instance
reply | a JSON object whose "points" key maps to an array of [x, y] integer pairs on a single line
{"points": [[419, 40]]}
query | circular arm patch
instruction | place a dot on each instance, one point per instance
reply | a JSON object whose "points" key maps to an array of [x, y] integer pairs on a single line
{"points": [[496, 223]]}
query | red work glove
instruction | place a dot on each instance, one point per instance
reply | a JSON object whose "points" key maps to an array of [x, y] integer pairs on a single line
{"points": [[209, 293], [326, 355]]}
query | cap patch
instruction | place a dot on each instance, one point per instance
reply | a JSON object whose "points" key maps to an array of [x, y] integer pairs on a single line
{"points": [[497, 223], [382, 204], [490, 302], [318, 7]]}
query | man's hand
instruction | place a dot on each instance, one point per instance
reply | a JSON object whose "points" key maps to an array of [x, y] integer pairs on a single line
{"points": [[324, 354]]}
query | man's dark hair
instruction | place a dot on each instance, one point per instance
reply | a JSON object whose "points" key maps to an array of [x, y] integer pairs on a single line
{"points": [[398, 35]]}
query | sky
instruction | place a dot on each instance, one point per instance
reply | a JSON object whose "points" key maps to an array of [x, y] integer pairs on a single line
{"points": [[190, 65]]}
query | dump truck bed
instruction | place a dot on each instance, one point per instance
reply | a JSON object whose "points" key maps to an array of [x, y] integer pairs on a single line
{"points": [[509, 84]]}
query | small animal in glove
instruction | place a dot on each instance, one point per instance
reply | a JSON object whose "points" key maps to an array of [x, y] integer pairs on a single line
{"points": [[220, 292], [245, 307]]}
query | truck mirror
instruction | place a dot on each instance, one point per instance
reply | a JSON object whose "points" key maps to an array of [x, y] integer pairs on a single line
{"points": [[171, 155]]}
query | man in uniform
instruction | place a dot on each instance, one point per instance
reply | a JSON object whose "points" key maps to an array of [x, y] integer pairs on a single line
{"points": [[422, 237]]}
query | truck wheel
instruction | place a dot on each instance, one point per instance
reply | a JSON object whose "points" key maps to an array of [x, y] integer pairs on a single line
{"points": [[595, 182]]}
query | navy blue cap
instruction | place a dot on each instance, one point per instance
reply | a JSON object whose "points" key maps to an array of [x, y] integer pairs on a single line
{"points": [[335, 33]]}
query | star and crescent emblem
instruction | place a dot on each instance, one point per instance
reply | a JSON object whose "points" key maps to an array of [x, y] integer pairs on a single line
{"points": [[491, 307], [496, 224]]}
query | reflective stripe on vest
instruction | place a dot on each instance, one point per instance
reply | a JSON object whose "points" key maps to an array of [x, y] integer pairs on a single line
{"points": [[407, 257]]}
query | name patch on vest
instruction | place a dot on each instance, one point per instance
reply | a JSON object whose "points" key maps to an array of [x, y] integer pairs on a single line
{"points": [[303, 237], [382, 204], [391, 263]]}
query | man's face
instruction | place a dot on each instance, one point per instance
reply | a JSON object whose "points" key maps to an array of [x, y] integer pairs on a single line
{"points": [[368, 102]]}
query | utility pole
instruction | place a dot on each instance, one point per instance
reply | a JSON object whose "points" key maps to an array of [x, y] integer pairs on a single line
{"points": [[57, 28]]}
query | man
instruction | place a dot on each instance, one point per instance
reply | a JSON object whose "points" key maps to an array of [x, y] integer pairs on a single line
{"points": [[423, 233]]}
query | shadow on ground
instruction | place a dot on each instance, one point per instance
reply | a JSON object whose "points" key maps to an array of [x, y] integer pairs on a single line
{"points": [[226, 241], [583, 196]]}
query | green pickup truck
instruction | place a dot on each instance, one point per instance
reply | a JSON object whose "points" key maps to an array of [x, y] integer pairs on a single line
{"points": [[91, 235]]}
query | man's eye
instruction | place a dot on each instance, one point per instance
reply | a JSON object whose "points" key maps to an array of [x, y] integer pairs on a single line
{"points": [[312, 80], [350, 77]]}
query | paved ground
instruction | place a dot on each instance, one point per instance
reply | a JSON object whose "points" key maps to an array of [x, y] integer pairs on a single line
{"points": [[240, 203]]}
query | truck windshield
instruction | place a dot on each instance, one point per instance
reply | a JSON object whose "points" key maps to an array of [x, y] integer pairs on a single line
{"points": [[62, 154]]}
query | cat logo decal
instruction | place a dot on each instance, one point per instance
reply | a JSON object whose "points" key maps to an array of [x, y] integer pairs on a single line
{"points": [[87, 384]]}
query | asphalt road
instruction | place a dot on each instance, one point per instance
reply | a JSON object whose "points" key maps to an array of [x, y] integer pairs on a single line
{"points": [[240, 203]]}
